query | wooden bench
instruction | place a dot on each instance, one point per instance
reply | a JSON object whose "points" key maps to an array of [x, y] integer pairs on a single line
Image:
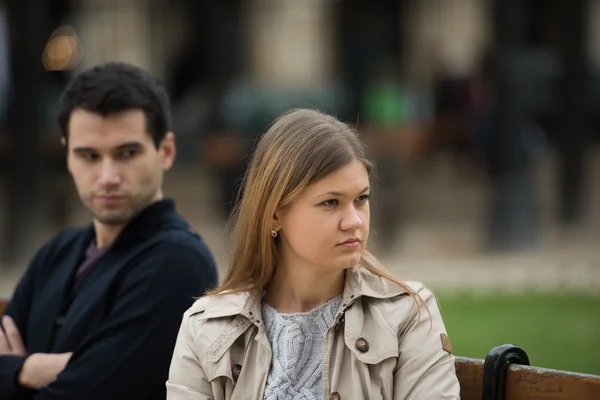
{"points": [[506, 374], [3, 305]]}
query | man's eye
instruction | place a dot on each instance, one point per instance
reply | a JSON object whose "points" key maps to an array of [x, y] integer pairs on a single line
{"points": [[127, 153], [89, 156]]}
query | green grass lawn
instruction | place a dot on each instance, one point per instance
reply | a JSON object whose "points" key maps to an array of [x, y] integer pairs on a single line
{"points": [[559, 331]]}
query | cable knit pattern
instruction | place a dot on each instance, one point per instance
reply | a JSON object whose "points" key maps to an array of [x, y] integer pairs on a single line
{"points": [[297, 344]]}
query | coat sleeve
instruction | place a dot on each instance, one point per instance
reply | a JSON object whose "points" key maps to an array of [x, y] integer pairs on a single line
{"points": [[187, 380], [19, 308], [425, 367], [129, 355]]}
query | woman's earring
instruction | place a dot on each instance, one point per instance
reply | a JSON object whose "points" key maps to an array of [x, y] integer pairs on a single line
{"points": [[274, 233]]}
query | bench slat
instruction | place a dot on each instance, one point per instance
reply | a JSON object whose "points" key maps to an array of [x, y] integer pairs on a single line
{"points": [[470, 375], [3, 305], [526, 383]]}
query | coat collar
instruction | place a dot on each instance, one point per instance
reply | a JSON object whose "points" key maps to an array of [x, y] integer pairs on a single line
{"points": [[359, 282]]}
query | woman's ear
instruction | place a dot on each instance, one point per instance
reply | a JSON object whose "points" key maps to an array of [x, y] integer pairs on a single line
{"points": [[276, 222]]}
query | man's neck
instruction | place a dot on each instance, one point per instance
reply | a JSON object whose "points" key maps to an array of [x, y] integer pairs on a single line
{"points": [[106, 234]]}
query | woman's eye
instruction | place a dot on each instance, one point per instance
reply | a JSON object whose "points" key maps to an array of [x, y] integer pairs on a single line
{"points": [[330, 203], [364, 198]]}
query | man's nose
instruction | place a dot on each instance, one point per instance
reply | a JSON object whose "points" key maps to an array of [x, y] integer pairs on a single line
{"points": [[109, 174]]}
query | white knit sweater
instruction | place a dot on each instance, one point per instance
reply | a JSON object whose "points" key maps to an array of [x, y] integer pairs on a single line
{"points": [[297, 344]]}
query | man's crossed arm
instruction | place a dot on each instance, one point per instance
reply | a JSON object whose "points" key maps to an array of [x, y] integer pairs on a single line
{"points": [[39, 369]]}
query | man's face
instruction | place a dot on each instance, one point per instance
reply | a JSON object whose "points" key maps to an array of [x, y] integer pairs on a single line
{"points": [[116, 167]]}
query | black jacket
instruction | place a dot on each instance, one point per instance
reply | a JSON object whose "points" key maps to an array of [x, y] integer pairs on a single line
{"points": [[121, 322]]}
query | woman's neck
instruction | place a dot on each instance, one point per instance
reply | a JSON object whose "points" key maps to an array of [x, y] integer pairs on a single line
{"points": [[300, 289]]}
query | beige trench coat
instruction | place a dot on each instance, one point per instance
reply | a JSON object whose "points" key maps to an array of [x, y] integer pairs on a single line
{"points": [[378, 348]]}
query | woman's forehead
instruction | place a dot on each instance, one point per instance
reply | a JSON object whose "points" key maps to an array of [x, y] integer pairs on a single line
{"points": [[350, 179]]}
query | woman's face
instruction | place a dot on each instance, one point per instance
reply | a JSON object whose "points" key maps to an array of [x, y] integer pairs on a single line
{"points": [[327, 226]]}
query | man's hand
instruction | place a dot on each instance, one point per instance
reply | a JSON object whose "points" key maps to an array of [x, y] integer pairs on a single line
{"points": [[41, 369], [11, 342]]}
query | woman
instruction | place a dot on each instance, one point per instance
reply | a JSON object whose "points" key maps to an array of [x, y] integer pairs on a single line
{"points": [[306, 312]]}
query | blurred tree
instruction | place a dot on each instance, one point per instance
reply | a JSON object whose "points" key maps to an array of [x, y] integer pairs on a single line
{"points": [[27, 36], [574, 112]]}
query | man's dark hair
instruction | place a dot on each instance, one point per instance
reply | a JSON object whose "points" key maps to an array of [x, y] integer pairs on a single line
{"points": [[113, 87]]}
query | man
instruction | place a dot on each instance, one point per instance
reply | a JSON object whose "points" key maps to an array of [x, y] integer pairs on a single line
{"points": [[97, 313]]}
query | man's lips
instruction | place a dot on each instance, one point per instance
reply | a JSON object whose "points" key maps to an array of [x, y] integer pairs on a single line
{"points": [[110, 198]]}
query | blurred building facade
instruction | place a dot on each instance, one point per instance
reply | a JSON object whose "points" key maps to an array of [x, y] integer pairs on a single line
{"points": [[408, 73]]}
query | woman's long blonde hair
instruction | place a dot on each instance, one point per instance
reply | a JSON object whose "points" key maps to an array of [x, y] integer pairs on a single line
{"points": [[301, 147]]}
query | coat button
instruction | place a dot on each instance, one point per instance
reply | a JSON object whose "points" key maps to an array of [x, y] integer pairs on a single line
{"points": [[235, 372], [335, 396], [362, 345]]}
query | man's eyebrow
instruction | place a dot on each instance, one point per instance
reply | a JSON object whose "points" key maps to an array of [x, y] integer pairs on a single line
{"points": [[83, 149], [129, 145]]}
